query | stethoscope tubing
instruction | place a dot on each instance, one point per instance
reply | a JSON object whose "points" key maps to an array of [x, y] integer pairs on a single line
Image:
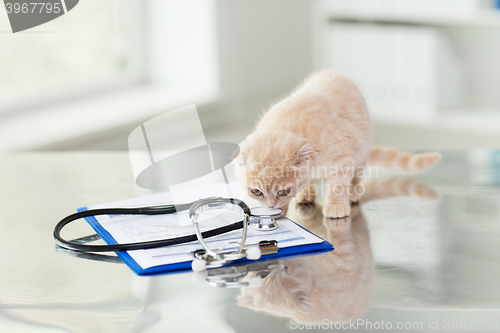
{"points": [[154, 210]]}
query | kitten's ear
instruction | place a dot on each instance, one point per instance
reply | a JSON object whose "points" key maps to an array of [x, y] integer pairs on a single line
{"points": [[303, 154]]}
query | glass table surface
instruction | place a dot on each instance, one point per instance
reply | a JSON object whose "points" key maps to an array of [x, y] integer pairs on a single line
{"points": [[420, 252]]}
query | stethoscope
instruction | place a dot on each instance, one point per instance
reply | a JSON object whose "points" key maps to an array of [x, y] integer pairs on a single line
{"points": [[262, 218]]}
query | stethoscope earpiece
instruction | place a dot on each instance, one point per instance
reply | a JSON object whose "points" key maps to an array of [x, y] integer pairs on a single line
{"points": [[254, 253], [198, 265]]}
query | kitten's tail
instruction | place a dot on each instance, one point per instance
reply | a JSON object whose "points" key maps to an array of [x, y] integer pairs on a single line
{"points": [[399, 160]]}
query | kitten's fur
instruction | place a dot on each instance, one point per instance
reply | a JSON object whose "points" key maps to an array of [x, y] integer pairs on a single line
{"points": [[321, 130], [335, 285]]}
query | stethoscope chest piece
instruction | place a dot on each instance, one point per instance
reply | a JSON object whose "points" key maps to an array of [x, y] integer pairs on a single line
{"points": [[264, 218]]}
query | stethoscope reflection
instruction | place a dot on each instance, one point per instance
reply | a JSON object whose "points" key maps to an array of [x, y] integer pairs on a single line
{"points": [[334, 285]]}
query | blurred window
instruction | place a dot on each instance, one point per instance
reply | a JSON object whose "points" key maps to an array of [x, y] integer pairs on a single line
{"points": [[87, 49]]}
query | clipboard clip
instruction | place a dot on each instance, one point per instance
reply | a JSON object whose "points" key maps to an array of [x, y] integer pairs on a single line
{"points": [[205, 260]]}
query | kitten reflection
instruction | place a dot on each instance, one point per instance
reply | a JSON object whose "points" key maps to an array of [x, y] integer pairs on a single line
{"points": [[335, 285]]}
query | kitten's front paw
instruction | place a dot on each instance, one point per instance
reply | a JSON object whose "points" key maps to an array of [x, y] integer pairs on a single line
{"points": [[336, 210]]}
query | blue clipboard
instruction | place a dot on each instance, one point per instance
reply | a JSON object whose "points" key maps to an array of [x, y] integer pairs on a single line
{"points": [[186, 266]]}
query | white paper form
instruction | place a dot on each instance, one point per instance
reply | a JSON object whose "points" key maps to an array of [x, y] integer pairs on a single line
{"points": [[139, 228]]}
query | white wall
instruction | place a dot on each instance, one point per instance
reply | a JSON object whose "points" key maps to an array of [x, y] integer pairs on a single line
{"points": [[264, 47], [181, 42]]}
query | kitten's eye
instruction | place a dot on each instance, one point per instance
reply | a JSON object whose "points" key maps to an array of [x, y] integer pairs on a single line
{"points": [[284, 193], [256, 192]]}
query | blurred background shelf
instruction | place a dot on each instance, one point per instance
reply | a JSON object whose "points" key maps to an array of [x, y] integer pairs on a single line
{"points": [[471, 121], [448, 130], [482, 18], [427, 69]]}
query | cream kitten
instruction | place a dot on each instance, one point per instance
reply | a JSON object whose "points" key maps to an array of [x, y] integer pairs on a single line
{"points": [[321, 130], [334, 285]]}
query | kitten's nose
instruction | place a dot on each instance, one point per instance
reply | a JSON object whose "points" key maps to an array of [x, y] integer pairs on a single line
{"points": [[271, 202]]}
